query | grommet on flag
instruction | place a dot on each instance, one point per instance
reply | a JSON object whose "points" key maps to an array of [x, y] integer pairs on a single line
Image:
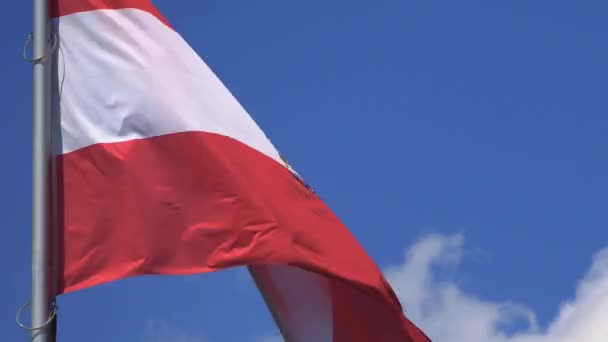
{"points": [[52, 316]]}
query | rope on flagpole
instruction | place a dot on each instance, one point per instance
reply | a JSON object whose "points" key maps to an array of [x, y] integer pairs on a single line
{"points": [[35, 60], [52, 316]]}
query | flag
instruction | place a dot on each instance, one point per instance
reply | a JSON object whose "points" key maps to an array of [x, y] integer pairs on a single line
{"points": [[162, 171]]}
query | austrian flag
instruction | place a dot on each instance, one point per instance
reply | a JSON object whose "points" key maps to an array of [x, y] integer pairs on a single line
{"points": [[161, 171]]}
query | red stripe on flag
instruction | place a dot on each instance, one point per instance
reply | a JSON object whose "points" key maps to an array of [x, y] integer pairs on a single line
{"points": [[60, 8], [197, 202], [382, 322]]}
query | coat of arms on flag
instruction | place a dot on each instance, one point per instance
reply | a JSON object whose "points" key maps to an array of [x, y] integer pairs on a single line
{"points": [[297, 176]]}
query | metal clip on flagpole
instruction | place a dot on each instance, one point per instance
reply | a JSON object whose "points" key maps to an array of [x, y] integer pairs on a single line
{"points": [[51, 50], [43, 325]]}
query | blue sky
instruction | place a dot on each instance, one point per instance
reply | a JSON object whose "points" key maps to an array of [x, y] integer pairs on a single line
{"points": [[464, 144]]}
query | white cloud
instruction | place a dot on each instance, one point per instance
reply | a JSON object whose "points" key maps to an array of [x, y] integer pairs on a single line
{"points": [[448, 314]]}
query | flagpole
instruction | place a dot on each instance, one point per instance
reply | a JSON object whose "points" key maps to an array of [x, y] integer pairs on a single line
{"points": [[41, 306]]}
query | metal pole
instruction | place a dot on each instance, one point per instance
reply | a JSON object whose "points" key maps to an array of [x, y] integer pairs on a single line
{"points": [[41, 244]]}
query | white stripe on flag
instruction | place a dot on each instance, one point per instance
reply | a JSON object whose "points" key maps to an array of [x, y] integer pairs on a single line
{"points": [[109, 94]]}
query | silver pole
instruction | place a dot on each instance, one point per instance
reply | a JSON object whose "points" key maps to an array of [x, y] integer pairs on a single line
{"points": [[41, 296]]}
